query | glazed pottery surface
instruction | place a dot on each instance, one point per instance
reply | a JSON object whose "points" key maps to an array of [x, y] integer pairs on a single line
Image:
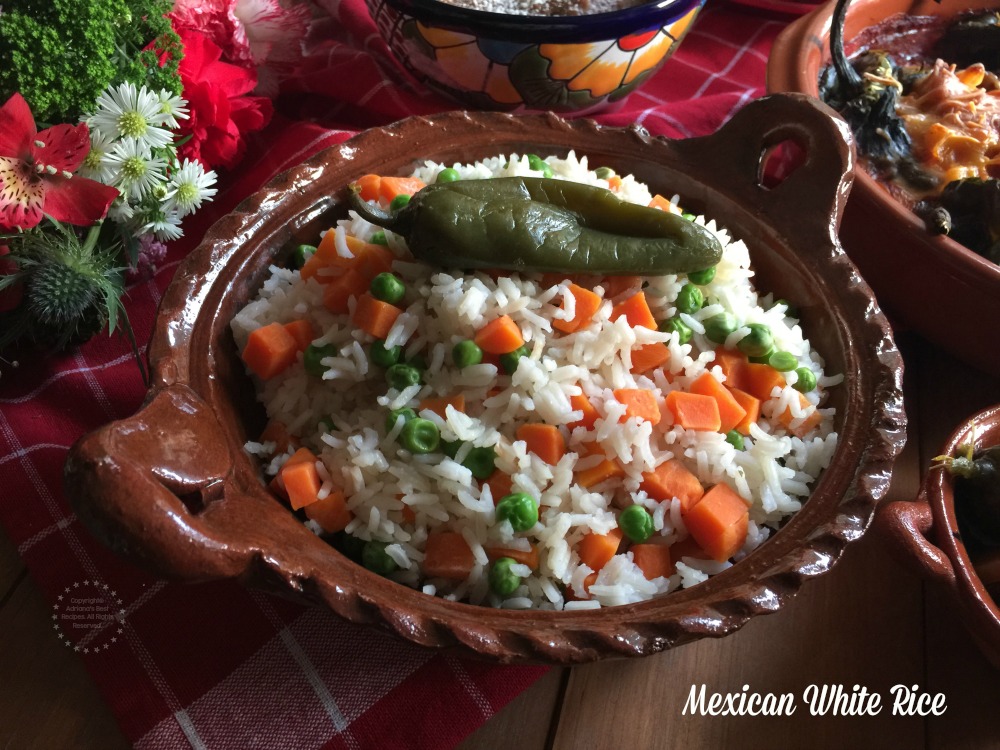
{"points": [[173, 488]]}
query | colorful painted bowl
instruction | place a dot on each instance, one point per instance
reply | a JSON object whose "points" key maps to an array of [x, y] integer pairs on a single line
{"points": [[565, 64]]}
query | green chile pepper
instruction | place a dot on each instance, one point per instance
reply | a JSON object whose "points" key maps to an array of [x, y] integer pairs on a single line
{"points": [[538, 224]]}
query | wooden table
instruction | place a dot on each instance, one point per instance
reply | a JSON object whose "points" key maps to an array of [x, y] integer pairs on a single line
{"points": [[870, 623]]}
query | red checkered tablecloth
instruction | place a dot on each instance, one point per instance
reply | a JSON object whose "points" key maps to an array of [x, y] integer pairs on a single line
{"points": [[219, 666]]}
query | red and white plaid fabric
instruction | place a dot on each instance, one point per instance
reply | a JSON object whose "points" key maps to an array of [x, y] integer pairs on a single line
{"points": [[219, 666]]}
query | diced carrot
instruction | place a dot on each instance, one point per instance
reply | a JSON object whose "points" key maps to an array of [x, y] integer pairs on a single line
{"points": [[590, 414], [341, 289], [730, 411], [301, 482], [596, 550], [688, 547], [374, 316], [808, 423], [636, 311], [276, 432], [732, 362], [372, 260], [605, 470], [544, 440], [693, 411], [531, 558], [672, 479], [269, 351], [752, 406], [368, 186], [331, 512], [438, 404], [663, 204], [301, 455], [303, 333], [761, 379], [327, 256], [499, 336], [615, 285], [587, 303], [638, 403], [649, 357], [718, 522], [448, 555], [500, 485], [615, 183], [653, 560], [409, 516], [390, 187]]}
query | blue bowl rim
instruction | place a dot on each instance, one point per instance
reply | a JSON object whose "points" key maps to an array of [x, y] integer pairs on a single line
{"points": [[543, 29]]}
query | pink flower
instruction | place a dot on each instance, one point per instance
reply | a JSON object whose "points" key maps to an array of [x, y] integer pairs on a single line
{"points": [[36, 172]]}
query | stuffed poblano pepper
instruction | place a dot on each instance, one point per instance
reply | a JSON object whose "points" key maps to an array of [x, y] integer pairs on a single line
{"points": [[537, 224]]}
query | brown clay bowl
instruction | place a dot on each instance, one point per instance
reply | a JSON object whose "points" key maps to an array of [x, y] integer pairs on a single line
{"points": [[172, 487], [926, 536], [929, 283]]}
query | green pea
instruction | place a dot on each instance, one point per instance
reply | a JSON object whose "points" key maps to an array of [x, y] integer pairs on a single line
{"points": [[689, 217], [450, 447], [466, 353], [448, 175], [399, 202], [420, 436], [718, 327], [604, 173], [401, 376], [350, 546], [481, 462], [417, 361], [735, 439], [395, 414], [503, 581], [636, 523], [689, 299], [538, 164], [509, 361], [677, 325], [806, 381], [379, 238], [758, 343], [520, 509], [764, 358], [702, 277], [382, 357], [388, 287], [783, 361], [327, 424], [313, 354], [374, 557], [790, 311], [301, 254]]}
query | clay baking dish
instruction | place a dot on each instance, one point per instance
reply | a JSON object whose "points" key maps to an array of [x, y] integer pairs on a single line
{"points": [[926, 282], [926, 536], [172, 487]]}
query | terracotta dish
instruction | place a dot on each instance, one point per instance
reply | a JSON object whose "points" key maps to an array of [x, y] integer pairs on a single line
{"points": [[929, 283], [172, 487], [926, 536]]}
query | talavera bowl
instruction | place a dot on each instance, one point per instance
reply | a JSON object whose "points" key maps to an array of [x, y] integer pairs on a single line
{"points": [[172, 487], [929, 283], [927, 537], [565, 64]]}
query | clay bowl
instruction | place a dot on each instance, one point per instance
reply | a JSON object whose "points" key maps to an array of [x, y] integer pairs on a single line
{"points": [[171, 487], [926, 536], [928, 283], [565, 64]]}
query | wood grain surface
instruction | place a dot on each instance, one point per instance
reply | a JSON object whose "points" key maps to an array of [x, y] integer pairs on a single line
{"points": [[870, 622]]}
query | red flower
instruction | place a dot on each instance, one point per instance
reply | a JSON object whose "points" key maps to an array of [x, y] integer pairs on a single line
{"points": [[219, 114], [36, 172]]}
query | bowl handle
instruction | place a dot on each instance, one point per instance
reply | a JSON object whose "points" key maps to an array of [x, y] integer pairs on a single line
{"points": [[810, 200], [906, 527], [146, 486]]}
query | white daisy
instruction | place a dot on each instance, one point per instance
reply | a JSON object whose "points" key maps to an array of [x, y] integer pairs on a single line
{"points": [[136, 171], [172, 108], [120, 210], [126, 112], [96, 166], [166, 225], [188, 187]]}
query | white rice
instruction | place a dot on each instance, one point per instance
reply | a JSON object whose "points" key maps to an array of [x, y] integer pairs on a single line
{"points": [[773, 473]]}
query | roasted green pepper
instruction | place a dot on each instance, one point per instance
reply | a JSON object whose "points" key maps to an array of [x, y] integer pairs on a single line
{"points": [[537, 224]]}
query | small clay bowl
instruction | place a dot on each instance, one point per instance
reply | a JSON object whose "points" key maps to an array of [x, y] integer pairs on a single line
{"points": [[565, 64], [926, 536], [929, 283], [172, 487]]}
